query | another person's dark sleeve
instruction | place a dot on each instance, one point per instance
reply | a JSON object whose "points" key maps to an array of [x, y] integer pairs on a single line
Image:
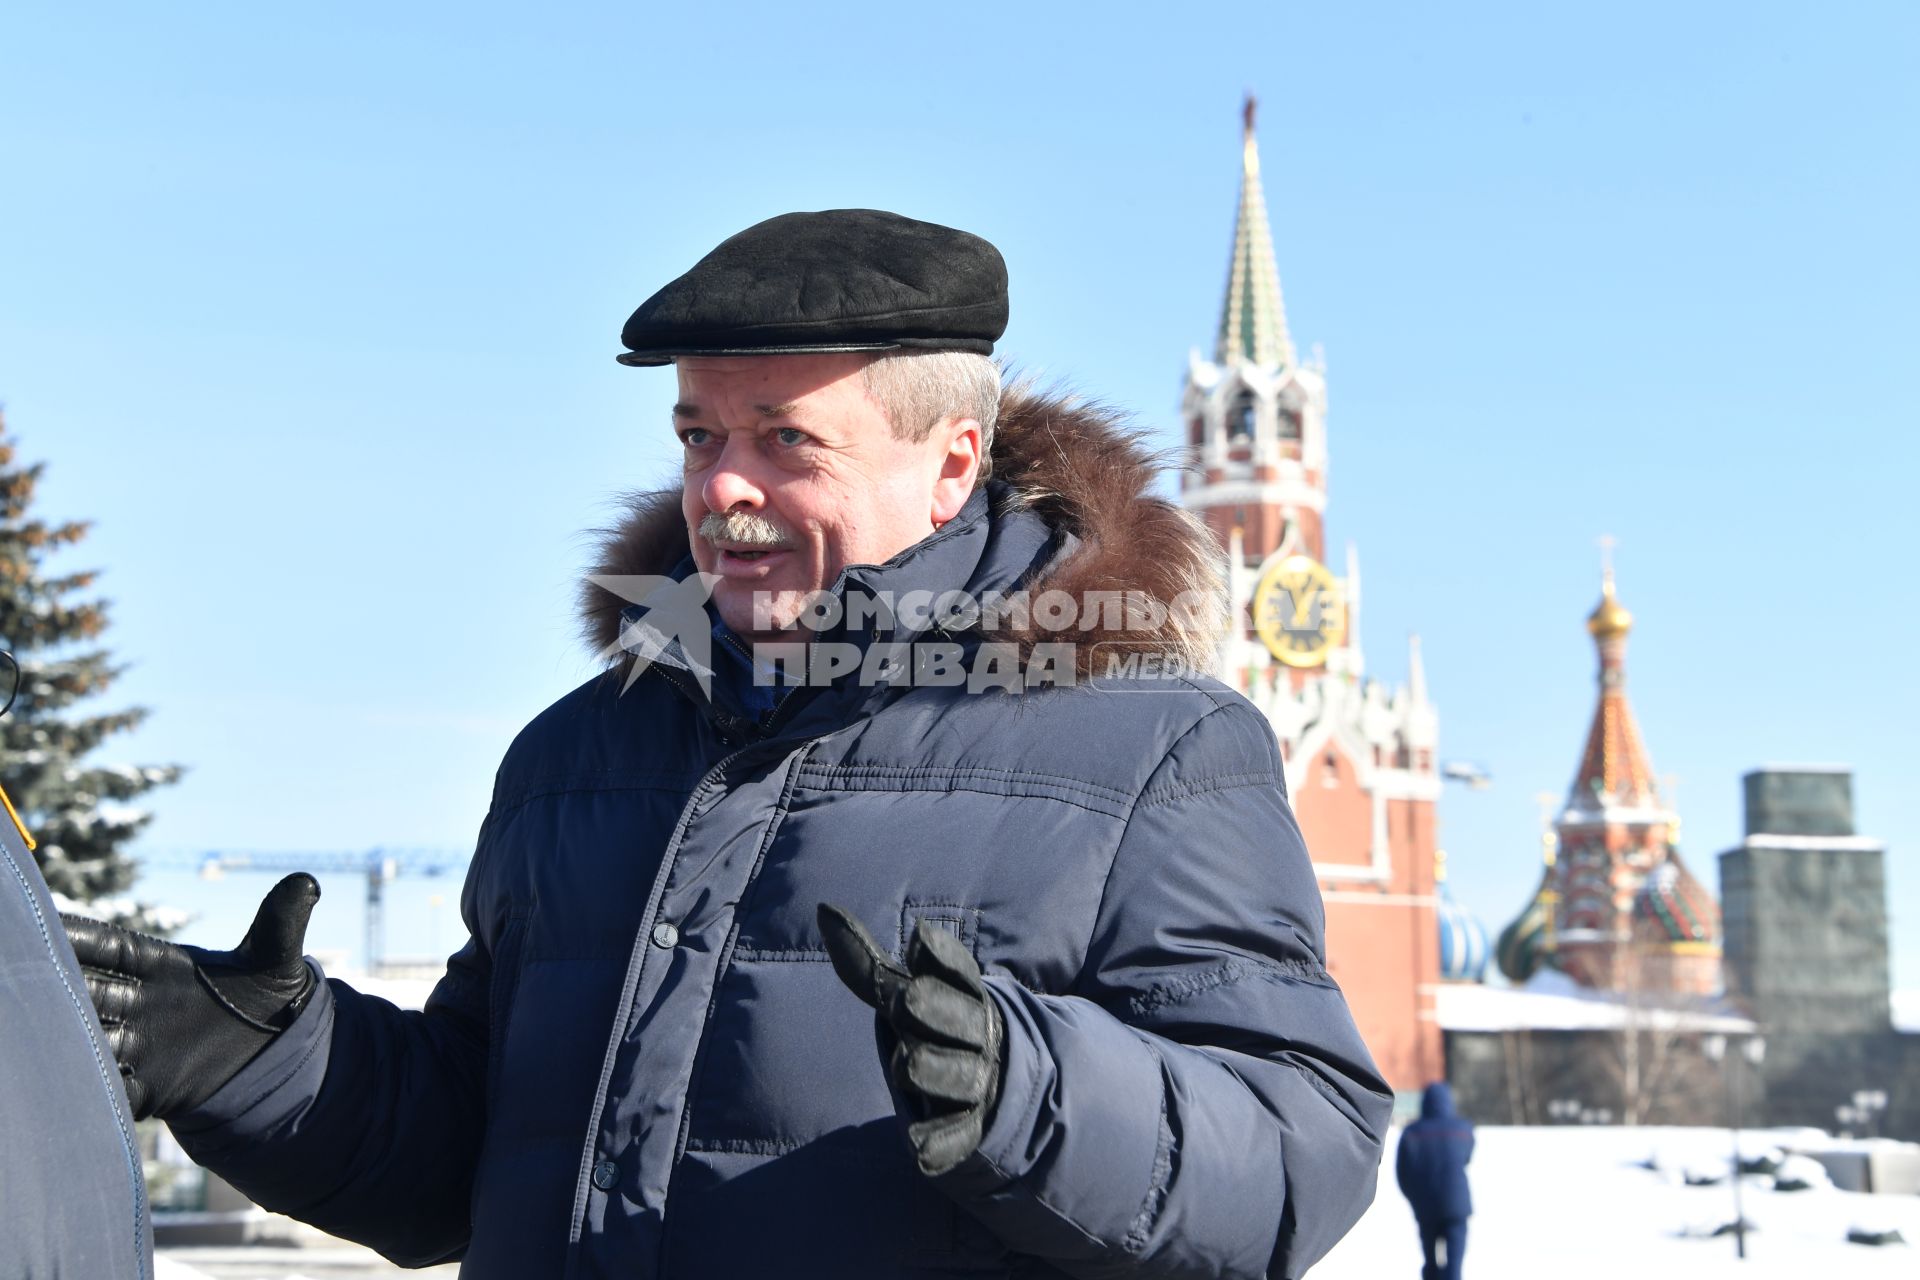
{"points": [[73, 1200]]}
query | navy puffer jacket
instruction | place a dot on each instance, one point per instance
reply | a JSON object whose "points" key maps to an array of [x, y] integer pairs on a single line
{"points": [[1431, 1164], [642, 1063]]}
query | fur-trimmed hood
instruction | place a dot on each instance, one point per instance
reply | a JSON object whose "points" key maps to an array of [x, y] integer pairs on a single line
{"points": [[1075, 464]]}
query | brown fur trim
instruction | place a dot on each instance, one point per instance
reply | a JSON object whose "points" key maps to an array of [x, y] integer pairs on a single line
{"points": [[1076, 464], [1081, 468], [651, 537]]}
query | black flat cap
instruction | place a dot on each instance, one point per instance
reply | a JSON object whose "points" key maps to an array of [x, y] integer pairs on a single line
{"points": [[837, 280]]}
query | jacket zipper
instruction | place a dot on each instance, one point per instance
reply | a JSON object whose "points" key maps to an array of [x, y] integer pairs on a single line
{"points": [[637, 957]]}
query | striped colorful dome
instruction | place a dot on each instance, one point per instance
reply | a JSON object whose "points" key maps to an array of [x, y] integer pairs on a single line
{"points": [[1674, 906], [1526, 946], [1463, 944]]}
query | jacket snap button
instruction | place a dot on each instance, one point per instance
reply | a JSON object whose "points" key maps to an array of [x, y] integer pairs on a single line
{"points": [[605, 1174], [665, 935]]}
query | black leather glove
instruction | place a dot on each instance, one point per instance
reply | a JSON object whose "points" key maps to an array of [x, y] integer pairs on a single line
{"points": [[947, 1035], [182, 1021]]}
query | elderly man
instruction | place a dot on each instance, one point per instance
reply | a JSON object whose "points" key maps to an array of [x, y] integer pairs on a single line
{"points": [[829, 933]]}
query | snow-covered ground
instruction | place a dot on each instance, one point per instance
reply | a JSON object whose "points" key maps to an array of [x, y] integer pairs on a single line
{"points": [[1569, 1203], [278, 1262], [1574, 1202]]}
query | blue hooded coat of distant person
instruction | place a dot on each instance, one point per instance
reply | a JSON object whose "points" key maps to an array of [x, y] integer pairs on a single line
{"points": [[73, 1199], [1432, 1160], [643, 1063]]}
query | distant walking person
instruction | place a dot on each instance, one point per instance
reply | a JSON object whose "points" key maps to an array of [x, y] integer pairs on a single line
{"points": [[1432, 1168]]}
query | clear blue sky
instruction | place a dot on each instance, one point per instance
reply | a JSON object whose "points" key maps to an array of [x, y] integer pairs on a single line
{"points": [[314, 312]]}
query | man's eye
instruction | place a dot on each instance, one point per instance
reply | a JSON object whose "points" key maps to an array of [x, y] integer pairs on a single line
{"points": [[694, 437], [790, 436]]}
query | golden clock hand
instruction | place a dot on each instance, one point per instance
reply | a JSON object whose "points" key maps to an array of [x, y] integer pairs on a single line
{"points": [[1306, 605]]}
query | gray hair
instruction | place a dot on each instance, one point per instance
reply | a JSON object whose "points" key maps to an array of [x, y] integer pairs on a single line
{"points": [[919, 389]]}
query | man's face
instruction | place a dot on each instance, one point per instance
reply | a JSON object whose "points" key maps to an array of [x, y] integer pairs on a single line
{"points": [[792, 473]]}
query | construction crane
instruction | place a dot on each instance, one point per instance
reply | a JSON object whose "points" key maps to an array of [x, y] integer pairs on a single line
{"points": [[379, 866]]}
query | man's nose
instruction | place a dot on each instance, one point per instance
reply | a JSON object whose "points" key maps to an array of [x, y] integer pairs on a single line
{"points": [[732, 482]]}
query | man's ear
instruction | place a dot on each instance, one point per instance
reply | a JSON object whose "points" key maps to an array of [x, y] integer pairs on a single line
{"points": [[959, 467]]}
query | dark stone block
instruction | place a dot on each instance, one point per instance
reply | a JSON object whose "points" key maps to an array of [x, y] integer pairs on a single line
{"points": [[1799, 802], [1805, 945]]}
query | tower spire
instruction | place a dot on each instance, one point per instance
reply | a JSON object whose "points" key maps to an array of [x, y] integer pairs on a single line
{"points": [[1614, 768], [1253, 323]]}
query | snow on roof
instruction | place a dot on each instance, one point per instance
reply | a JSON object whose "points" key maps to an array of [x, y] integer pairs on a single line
{"points": [[1848, 844], [1551, 1001]]}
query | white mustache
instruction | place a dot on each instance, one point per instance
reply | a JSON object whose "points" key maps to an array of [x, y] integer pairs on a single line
{"points": [[742, 528]]}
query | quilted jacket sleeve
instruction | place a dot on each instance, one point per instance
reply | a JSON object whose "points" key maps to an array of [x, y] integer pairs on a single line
{"points": [[1202, 1105], [362, 1118]]}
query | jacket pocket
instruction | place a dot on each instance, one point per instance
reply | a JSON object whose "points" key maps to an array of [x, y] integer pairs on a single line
{"points": [[962, 921]]}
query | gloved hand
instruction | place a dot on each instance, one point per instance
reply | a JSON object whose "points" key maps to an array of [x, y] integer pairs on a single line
{"points": [[947, 1033], [182, 1021]]}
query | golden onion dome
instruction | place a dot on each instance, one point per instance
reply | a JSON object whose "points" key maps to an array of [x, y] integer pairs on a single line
{"points": [[1609, 618]]}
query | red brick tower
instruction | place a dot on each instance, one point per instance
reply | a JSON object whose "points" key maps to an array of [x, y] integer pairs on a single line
{"points": [[1359, 756]]}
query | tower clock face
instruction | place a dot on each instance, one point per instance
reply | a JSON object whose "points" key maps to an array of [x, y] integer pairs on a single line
{"points": [[1299, 611]]}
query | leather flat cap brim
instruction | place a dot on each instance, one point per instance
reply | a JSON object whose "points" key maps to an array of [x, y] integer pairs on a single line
{"points": [[837, 280], [649, 359]]}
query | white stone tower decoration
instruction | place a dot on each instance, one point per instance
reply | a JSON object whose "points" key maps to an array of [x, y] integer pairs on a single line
{"points": [[1256, 415]]}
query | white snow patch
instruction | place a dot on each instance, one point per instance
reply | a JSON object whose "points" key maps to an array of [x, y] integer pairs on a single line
{"points": [[168, 919], [1577, 1201], [162, 918]]}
